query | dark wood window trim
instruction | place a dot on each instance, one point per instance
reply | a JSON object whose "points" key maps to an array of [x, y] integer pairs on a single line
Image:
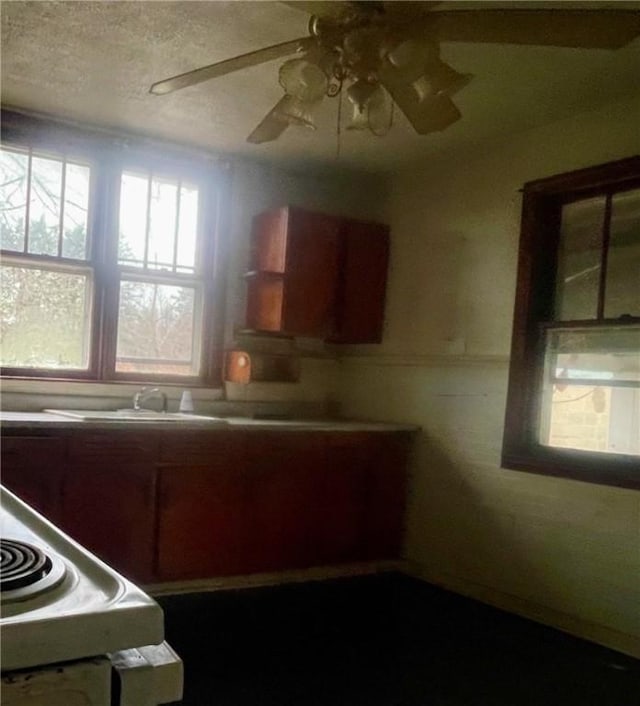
{"points": [[540, 229], [108, 153]]}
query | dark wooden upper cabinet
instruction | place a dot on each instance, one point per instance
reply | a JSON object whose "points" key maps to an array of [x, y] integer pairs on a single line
{"points": [[362, 283], [317, 275]]}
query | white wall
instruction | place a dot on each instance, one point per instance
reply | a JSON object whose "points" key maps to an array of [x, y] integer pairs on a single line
{"points": [[562, 551]]}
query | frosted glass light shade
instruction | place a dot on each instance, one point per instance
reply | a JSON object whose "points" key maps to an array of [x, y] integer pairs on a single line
{"points": [[303, 80], [374, 114], [295, 112]]}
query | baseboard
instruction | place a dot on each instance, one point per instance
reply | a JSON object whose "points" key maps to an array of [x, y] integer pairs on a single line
{"points": [[594, 632], [316, 573]]}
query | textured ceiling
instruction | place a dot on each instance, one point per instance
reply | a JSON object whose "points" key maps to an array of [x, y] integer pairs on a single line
{"points": [[94, 62]]}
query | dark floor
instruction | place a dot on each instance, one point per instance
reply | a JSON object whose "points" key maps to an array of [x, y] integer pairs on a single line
{"points": [[382, 641]]}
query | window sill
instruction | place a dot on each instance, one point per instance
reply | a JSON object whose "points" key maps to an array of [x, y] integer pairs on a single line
{"points": [[620, 470], [34, 394]]}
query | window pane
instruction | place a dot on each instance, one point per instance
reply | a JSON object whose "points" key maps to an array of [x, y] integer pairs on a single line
{"points": [[591, 395], [622, 293], [76, 210], [13, 199], [579, 256], [44, 206], [156, 329], [45, 318], [133, 219], [162, 228], [187, 228], [595, 418]]}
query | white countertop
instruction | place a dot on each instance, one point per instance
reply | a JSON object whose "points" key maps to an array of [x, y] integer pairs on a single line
{"points": [[47, 420]]}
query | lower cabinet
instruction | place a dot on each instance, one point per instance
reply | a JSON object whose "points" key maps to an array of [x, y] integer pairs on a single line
{"points": [[202, 504], [386, 495], [32, 468], [110, 509], [262, 501], [281, 479], [339, 507], [202, 522]]}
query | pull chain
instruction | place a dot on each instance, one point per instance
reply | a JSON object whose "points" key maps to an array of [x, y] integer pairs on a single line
{"points": [[339, 125]]}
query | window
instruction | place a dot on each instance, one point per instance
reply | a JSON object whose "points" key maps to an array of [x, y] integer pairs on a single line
{"points": [[159, 319], [573, 407], [47, 282], [108, 263]]}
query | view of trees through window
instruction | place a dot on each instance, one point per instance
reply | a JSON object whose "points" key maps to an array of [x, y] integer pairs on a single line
{"points": [[156, 328], [157, 320], [45, 304], [153, 288]]}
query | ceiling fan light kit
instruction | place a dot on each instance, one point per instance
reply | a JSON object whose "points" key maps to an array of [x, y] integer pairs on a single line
{"points": [[389, 52]]}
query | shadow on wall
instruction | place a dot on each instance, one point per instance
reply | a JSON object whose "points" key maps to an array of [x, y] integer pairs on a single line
{"points": [[524, 542]]}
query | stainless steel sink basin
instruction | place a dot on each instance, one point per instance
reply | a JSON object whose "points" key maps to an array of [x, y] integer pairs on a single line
{"points": [[135, 415]]}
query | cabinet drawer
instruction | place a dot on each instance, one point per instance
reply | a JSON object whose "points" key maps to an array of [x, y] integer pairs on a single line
{"points": [[127, 446]]}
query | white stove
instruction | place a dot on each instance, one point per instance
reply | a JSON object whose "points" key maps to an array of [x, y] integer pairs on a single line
{"points": [[73, 629]]}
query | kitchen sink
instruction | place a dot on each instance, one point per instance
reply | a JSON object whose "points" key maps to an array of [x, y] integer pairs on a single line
{"points": [[135, 415]]}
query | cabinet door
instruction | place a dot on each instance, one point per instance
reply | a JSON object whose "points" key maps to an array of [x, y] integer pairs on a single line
{"points": [[265, 301], [202, 515], [311, 273], [294, 261], [108, 500], [282, 471], [269, 241], [109, 507], [339, 508], [362, 283], [386, 494], [32, 468]]}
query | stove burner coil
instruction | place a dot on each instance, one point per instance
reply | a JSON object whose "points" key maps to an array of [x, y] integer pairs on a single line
{"points": [[21, 564]]}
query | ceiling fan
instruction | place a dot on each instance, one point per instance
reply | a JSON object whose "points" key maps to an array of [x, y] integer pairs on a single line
{"points": [[387, 52]]}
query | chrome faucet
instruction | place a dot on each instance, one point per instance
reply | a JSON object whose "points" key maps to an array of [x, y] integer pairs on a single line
{"points": [[146, 394]]}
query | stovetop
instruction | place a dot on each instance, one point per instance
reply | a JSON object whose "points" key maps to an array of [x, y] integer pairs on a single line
{"points": [[76, 606]]}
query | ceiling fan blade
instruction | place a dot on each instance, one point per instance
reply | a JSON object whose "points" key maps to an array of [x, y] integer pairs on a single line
{"points": [[431, 114], [597, 29], [318, 7], [407, 8], [205, 73], [272, 125]]}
